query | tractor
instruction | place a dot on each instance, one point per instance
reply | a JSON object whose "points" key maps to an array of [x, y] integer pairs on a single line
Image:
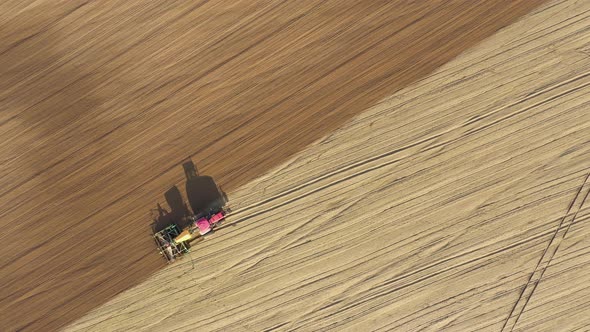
{"points": [[181, 227]]}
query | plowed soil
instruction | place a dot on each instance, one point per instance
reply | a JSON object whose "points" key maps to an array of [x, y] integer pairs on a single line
{"points": [[470, 214], [100, 103]]}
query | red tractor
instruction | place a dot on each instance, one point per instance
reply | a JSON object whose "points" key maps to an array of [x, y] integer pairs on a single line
{"points": [[208, 203]]}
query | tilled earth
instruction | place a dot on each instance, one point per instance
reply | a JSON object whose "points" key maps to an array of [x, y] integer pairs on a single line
{"points": [[100, 103]]}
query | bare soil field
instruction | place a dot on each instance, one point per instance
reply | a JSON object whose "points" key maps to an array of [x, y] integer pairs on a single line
{"points": [[458, 203], [100, 102]]}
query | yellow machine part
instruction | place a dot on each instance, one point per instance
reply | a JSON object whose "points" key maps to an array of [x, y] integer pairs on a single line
{"points": [[185, 235]]}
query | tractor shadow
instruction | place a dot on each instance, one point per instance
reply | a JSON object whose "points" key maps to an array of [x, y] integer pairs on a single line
{"points": [[202, 191], [203, 195]]}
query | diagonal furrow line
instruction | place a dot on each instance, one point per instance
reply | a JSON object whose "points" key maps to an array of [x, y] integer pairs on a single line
{"points": [[432, 270], [548, 254]]}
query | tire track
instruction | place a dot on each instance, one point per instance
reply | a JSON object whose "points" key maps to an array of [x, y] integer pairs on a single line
{"points": [[432, 270], [353, 242], [275, 313], [550, 251], [421, 144], [483, 186], [548, 232]]}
